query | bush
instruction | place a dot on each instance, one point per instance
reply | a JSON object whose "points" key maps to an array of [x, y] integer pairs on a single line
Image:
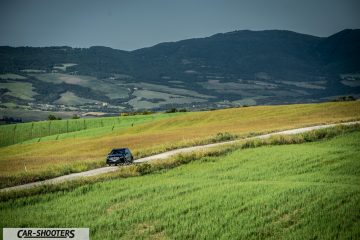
{"points": [[284, 139], [143, 168], [220, 137], [52, 117], [344, 99], [146, 112], [250, 144], [186, 158]]}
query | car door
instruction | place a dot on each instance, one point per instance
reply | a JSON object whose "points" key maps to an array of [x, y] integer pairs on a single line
{"points": [[130, 157], [127, 155]]}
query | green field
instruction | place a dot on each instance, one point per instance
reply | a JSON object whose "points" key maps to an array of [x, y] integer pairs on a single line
{"points": [[21, 90], [69, 98], [299, 191], [60, 129], [11, 76], [110, 88], [146, 99]]}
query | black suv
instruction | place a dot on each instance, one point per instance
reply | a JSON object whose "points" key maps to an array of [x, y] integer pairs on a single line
{"points": [[119, 156]]}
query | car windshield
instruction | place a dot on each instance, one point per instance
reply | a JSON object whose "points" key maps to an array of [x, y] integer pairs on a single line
{"points": [[118, 151]]}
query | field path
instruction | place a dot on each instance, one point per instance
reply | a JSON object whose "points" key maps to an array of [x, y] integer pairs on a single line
{"points": [[166, 155]]}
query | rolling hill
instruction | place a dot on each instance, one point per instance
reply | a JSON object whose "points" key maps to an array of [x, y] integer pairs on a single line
{"points": [[298, 191], [58, 149], [227, 69]]}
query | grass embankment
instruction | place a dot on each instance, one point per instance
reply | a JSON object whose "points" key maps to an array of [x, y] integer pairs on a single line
{"points": [[53, 158], [299, 191]]}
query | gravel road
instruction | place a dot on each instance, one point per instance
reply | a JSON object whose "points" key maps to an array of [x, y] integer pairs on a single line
{"points": [[164, 156]]}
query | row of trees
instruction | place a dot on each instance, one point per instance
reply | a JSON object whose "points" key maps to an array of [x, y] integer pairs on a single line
{"points": [[174, 110], [147, 112], [9, 120], [52, 117]]}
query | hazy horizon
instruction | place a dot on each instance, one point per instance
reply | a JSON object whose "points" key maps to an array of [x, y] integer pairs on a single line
{"points": [[130, 25], [175, 40]]}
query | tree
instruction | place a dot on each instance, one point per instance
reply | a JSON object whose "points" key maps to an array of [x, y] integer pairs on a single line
{"points": [[51, 117]]}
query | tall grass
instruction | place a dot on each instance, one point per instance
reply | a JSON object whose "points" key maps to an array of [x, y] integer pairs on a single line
{"points": [[296, 191]]}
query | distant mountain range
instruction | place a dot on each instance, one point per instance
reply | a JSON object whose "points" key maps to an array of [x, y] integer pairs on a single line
{"points": [[227, 69]]}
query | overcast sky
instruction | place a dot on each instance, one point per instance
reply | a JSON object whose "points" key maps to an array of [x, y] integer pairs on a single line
{"points": [[133, 24]]}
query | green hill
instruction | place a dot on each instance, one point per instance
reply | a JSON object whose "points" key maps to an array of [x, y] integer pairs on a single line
{"points": [[228, 69]]}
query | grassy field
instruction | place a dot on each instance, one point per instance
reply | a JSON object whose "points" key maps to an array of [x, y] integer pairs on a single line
{"points": [[299, 191], [22, 90], [145, 99], [110, 88], [11, 76], [70, 98], [51, 130], [45, 159]]}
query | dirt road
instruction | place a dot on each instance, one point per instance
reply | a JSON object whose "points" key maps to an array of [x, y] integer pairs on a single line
{"points": [[164, 156]]}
